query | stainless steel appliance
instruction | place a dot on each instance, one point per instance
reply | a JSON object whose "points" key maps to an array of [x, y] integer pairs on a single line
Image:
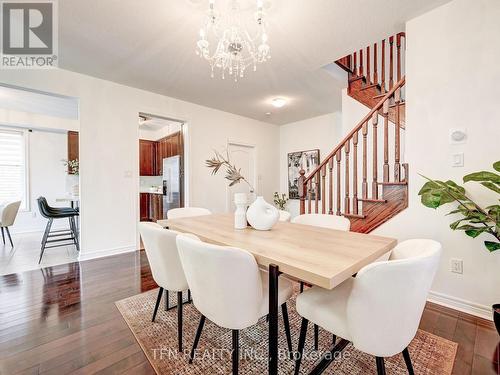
{"points": [[172, 184]]}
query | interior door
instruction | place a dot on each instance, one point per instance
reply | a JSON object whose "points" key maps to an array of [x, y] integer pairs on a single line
{"points": [[242, 156]]}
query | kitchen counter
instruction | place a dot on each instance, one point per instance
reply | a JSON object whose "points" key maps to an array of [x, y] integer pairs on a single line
{"points": [[147, 191]]}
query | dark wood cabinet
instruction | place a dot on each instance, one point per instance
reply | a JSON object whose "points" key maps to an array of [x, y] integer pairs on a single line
{"points": [[73, 147], [147, 158], [151, 207], [166, 147]]}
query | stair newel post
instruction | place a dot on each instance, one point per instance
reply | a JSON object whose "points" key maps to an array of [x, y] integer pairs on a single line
{"points": [[323, 191], [355, 173], [338, 158], [397, 132], [309, 196], [347, 206], [374, 157], [375, 64], [355, 65], [316, 192], [330, 189], [364, 185], [360, 62], [391, 62], [368, 73], [385, 110], [398, 47], [382, 84], [302, 192]]}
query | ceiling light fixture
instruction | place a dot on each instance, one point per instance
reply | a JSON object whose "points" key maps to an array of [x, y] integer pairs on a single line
{"points": [[278, 102], [234, 47]]}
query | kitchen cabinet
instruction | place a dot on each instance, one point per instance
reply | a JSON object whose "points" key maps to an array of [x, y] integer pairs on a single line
{"points": [[166, 147], [151, 207], [73, 147], [147, 157]]}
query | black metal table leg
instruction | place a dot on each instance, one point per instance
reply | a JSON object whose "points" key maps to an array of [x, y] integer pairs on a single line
{"points": [[273, 318]]}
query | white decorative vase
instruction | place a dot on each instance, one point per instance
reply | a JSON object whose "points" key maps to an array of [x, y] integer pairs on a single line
{"points": [[240, 215], [261, 215]]}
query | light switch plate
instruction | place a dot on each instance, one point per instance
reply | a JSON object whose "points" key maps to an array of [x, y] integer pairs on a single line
{"points": [[457, 266], [457, 159]]}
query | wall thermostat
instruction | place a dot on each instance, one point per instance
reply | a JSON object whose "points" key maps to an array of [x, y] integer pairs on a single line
{"points": [[458, 136]]}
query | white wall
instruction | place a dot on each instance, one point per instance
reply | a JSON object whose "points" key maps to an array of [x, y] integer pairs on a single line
{"points": [[47, 177], [452, 74], [109, 157], [323, 132]]}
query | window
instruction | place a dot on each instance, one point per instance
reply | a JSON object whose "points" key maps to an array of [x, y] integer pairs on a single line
{"points": [[13, 181]]}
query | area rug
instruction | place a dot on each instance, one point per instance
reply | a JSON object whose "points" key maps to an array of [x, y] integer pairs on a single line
{"points": [[430, 354]]}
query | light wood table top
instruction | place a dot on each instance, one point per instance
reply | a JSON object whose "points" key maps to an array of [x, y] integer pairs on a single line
{"points": [[319, 256]]}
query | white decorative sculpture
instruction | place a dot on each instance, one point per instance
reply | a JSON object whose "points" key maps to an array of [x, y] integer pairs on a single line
{"points": [[240, 215], [261, 215]]}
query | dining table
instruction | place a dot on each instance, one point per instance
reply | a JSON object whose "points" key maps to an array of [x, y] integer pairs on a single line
{"points": [[317, 256]]}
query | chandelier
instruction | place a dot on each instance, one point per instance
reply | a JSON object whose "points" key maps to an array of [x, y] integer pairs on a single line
{"points": [[228, 45]]}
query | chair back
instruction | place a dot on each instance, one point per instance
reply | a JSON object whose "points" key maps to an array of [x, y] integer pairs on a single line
{"points": [[177, 213], [163, 257], [9, 213], [323, 221], [284, 215], [225, 282], [387, 299], [44, 207]]}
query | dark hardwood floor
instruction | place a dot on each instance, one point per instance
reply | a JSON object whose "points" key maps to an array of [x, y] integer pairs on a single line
{"points": [[63, 320]]}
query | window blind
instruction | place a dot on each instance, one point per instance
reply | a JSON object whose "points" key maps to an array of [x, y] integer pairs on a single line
{"points": [[12, 167]]}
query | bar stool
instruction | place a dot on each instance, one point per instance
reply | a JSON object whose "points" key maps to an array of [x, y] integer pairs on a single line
{"points": [[64, 235]]}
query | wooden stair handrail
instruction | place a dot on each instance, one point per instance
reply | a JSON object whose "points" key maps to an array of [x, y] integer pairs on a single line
{"points": [[347, 138]]}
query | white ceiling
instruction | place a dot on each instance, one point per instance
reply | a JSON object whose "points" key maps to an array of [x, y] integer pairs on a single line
{"points": [[151, 45]]}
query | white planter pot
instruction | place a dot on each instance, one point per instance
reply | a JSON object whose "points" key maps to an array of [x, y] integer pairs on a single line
{"points": [[240, 215], [261, 215]]}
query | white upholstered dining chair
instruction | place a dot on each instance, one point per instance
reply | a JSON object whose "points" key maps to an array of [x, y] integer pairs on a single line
{"points": [[177, 213], [323, 221], [163, 257], [7, 217], [228, 288], [284, 215], [379, 310]]}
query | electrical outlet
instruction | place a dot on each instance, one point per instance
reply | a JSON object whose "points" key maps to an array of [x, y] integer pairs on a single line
{"points": [[457, 266]]}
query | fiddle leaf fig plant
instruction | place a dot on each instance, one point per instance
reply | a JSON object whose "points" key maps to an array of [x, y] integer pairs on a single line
{"points": [[475, 219]]}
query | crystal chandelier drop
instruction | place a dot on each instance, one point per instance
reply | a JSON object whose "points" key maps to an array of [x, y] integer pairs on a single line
{"points": [[227, 44]]}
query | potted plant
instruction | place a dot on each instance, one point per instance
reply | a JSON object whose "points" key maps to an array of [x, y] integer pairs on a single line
{"points": [[73, 167], [475, 220]]}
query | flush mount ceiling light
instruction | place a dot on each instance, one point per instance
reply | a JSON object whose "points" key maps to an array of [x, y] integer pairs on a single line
{"points": [[228, 44], [278, 102]]}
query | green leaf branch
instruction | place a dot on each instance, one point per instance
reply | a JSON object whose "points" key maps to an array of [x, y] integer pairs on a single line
{"points": [[475, 219]]}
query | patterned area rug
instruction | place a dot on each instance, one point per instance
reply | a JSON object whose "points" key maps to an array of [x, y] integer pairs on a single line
{"points": [[430, 354]]}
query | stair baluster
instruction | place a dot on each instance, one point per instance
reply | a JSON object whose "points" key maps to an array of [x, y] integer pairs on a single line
{"points": [[368, 72], [309, 197], [398, 46], [355, 65], [364, 185], [338, 157], [382, 84], [375, 64], [355, 174], [316, 191], [323, 191], [391, 62], [360, 62], [330, 189], [374, 157], [347, 206], [385, 111], [397, 138]]}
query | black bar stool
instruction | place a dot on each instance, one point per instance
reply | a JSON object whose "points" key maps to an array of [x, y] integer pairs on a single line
{"points": [[61, 237]]}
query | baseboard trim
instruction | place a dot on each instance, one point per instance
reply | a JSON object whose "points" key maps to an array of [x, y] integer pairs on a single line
{"points": [[105, 253], [462, 305]]}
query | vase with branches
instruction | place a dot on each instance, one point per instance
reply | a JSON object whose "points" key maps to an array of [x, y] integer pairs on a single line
{"points": [[280, 201]]}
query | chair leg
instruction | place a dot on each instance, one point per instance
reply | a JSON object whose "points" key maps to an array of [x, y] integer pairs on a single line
{"points": [[189, 296], [301, 286], [334, 339], [236, 350], [380, 365], [179, 320], [316, 337], [167, 297], [302, 341], [158, 300], [44, 240], [286, 323], [75, 233], [10, 238], [409, 366], [197, 338], [3, 236]]}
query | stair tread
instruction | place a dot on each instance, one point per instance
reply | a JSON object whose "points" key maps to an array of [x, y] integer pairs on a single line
{"points": [[371, 85], [393, 183], [394, 104], [356, 78], [354, 216], [379, 96], [372, 200]]}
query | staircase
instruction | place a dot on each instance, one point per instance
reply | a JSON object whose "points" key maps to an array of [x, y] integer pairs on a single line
{"points": [[372, 187]]}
